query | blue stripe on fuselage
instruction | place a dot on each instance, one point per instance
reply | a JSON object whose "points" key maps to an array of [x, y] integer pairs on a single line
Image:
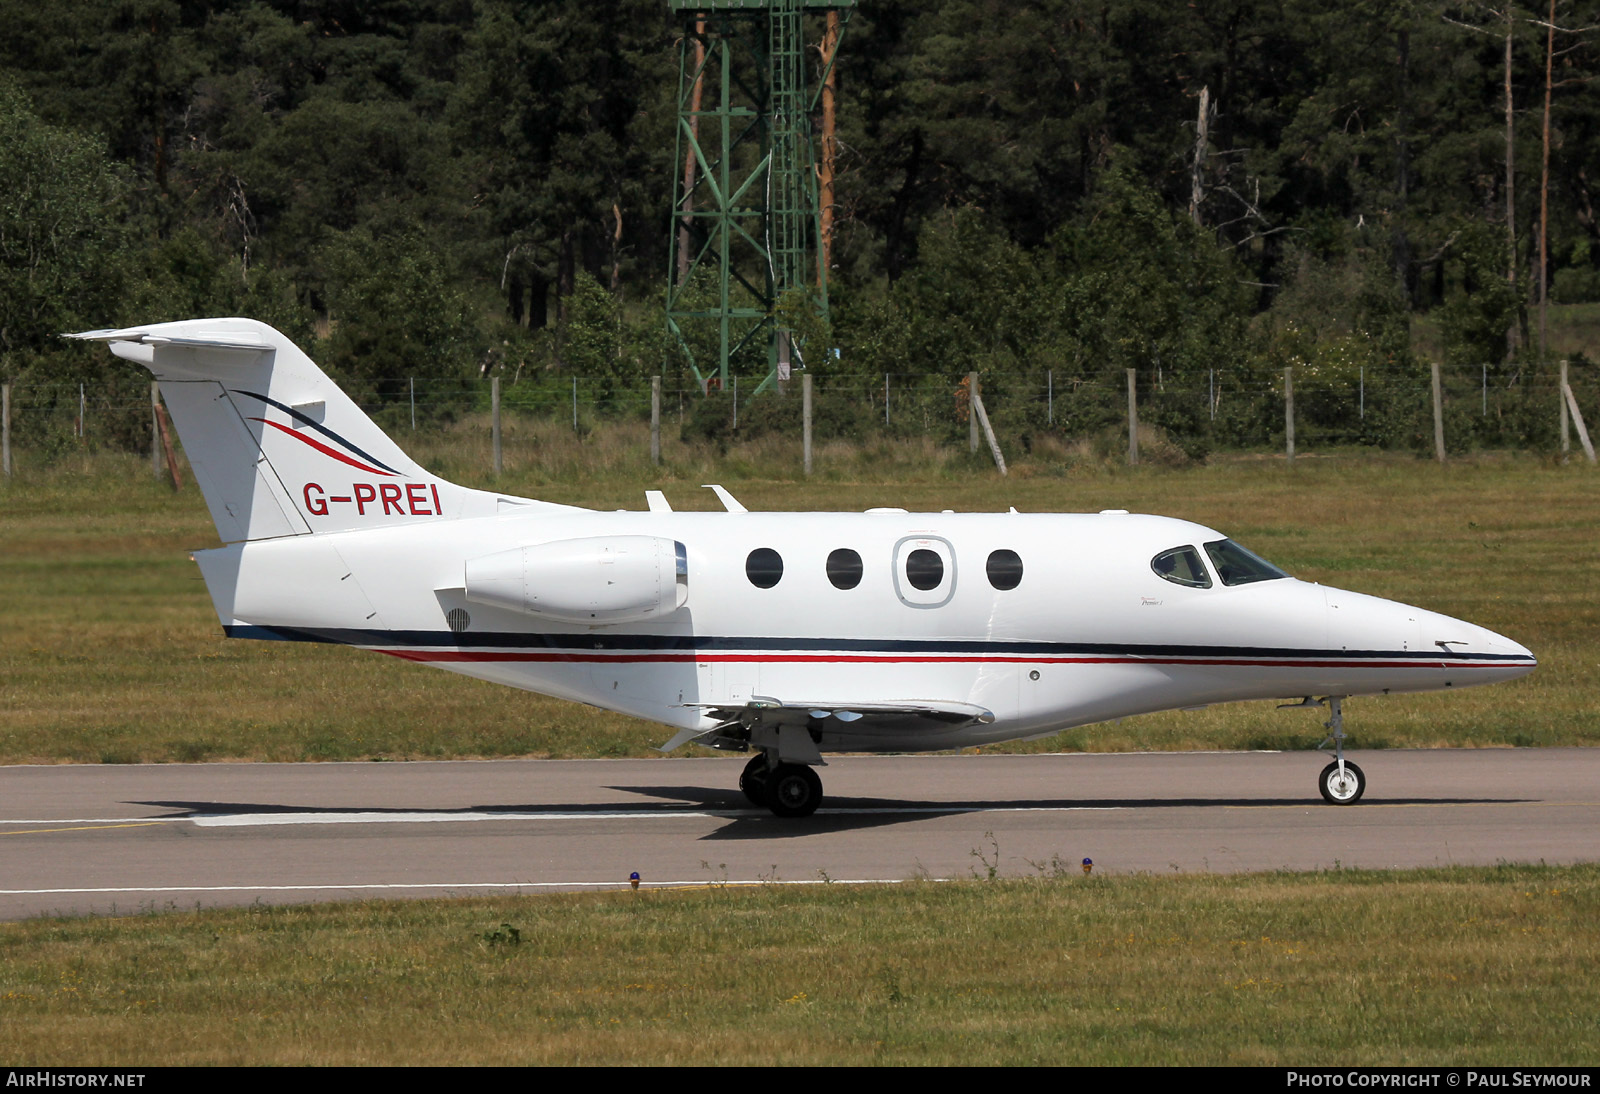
{"points": [[351, 636]]}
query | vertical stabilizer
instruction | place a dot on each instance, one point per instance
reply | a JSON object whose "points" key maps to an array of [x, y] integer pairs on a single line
{"points": [[277, 448]]}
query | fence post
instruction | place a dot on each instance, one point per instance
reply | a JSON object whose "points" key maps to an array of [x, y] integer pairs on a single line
{"points": [[1438, 414], [886, 400], [805, 418], [155, 430], [972, 415], [1050, 396], [413, 381], [494, 419], [736, 403], [1577, 419], [655, 420], [988, 431], [5, 428], [574, 404], [166, 447], [1561, 397], [1133, 417], [1288, 412]]}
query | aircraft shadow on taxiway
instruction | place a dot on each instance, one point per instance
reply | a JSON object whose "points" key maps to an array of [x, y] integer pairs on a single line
{"points": [[745, 821], [842, 814]]}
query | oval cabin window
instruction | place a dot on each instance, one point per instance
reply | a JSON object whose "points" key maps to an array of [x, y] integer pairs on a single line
{"points": [[844, 568], [764, 567], [1005, 569]]}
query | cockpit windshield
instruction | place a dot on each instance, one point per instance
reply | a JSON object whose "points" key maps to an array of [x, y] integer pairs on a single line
{"points": [[1236, 566]]}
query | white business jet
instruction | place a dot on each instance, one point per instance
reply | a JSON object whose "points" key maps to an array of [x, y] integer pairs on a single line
{"points": [[786, 635]]}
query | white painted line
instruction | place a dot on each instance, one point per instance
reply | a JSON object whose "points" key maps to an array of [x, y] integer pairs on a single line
{"points": [[245, 820], [262, 820], [97, 820], [696, 883]]}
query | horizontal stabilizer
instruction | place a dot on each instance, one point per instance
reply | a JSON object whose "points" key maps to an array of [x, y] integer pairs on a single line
{"points": [[233, 340]]}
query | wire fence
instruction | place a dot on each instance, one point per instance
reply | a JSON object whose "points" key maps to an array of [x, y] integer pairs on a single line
{"points": [[1249, 410]]}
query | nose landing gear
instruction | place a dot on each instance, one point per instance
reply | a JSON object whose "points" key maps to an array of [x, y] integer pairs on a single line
{"points": [[1341, 782]]}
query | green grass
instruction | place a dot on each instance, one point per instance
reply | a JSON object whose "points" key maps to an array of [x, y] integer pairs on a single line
{"points": [[110, 651], [1433, 967]]}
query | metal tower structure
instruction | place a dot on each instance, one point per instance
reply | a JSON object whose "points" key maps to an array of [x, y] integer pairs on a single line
{"points": [[747, 270]]}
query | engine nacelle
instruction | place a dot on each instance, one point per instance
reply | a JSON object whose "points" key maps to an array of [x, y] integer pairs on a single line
{"points": [[603, 579]]}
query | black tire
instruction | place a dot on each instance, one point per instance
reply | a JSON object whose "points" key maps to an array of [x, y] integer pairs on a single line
{"points": [[793, 790], [753, 781], [1346, 791]]}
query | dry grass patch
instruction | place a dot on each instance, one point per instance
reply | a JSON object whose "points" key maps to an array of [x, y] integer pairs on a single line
{"points": [[1437, 967]]}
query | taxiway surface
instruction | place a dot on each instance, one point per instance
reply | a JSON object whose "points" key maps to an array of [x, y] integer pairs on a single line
{"points": [[82, 839]]}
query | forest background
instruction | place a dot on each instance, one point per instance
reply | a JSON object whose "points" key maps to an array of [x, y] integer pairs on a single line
{"points": [[437, 191]]}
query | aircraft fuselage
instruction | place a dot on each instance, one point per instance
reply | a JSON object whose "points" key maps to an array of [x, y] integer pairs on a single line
{"points": [[1089, 631]]}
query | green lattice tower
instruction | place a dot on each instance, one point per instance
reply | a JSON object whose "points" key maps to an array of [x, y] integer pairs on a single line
{"points": [[751, 211]]}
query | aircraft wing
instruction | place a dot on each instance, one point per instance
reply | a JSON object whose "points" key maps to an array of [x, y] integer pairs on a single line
{"points": [[762, 714]]}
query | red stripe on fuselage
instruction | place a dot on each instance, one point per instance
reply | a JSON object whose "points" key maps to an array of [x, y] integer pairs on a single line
{"points": [[546, 657], [324, 449]]}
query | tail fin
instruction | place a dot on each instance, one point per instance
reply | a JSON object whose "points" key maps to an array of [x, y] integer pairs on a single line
{"points": [[277, 448]]}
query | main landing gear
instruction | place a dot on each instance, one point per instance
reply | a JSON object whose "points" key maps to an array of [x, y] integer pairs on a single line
{"points": [[789, 790]]}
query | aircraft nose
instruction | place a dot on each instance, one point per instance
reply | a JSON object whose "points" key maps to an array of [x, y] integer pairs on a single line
{"points": [[1495, 655], [1499, 643]]}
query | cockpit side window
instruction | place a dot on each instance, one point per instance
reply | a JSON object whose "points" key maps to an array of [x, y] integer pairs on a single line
{"points": [[1182, 566], [1236, 566]]}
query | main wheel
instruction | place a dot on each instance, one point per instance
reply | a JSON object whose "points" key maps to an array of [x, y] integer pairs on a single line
{"points": [[793, 790], [753, 780], [1343, 789]]}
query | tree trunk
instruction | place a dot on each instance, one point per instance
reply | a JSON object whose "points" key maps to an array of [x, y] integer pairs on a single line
{"points": [[514, 293], [1544, 181], [830, 143], [566, 276], [1400, 241], [538, 302], [1197, 174], [1511, 188], [616, 247], [894, 258]]}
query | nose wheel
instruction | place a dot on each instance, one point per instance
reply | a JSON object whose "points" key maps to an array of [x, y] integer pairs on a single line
{"points": [[1342, 783]]}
